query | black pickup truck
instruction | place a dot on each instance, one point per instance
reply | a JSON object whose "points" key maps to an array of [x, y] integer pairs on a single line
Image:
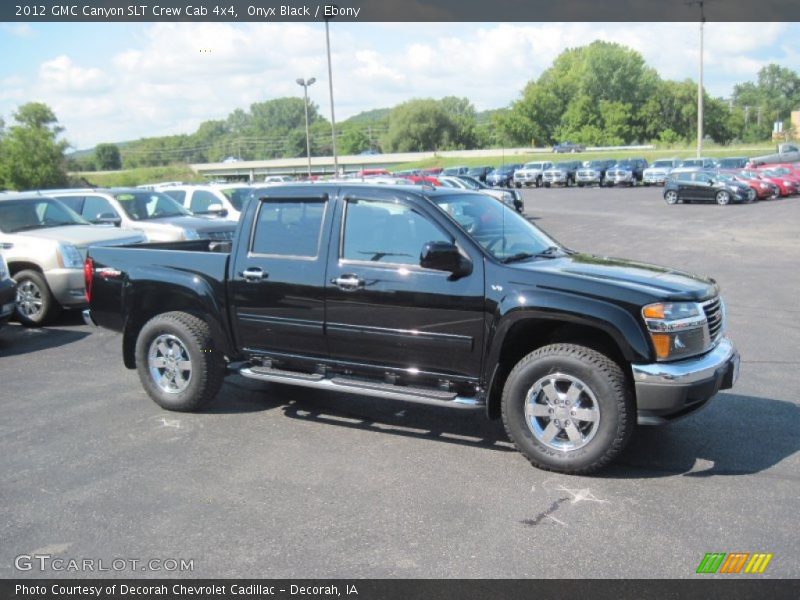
{"points": [[439, 296]]}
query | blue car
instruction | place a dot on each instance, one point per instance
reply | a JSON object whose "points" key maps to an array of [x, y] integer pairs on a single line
{"points": [[502, 176]]}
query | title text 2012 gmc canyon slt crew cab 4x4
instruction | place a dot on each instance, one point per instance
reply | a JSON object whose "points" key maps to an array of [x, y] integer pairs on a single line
{"points": [[439, 296]]}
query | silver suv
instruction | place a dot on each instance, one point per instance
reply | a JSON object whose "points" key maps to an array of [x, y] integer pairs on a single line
{"points": [[223, 200], [153, 213], [44, 244], [531, 173]]}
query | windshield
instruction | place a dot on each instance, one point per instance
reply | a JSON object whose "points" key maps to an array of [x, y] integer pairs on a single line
{"points": [[662, 163], [535, 165], [597, 164], [28, 214], [142, 206], [237, 196], [501, 231], [692, 163], [471, 184]]}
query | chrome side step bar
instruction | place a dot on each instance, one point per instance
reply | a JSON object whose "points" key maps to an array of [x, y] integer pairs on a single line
{"points": [[363, 388]]}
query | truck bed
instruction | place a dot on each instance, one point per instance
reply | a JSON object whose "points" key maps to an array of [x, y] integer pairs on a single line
{"points": [[133, 277]]}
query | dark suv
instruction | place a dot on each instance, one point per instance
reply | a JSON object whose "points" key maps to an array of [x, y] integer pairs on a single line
{"points": [[706, 186], [629, 171]]}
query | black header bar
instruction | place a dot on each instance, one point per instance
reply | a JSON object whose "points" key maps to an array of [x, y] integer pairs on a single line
{"points": [[401, 10], [701, 587]]}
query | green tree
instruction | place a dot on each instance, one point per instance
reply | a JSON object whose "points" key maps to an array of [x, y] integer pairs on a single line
{"points": [[32, 155], [107, 157], [352, 141], [417, 126]]}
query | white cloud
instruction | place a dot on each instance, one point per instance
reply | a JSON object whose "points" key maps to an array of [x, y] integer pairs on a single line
{"points": [[176, 75]]}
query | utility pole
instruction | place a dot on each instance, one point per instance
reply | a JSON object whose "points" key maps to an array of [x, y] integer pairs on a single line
{"points": [[330, 85], [701, 4]]}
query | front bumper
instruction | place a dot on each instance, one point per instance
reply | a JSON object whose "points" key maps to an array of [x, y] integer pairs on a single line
{"points": [[668, 391], [588, 177], [68, 286], [8, 294], [621, 178], [555, 178], [655, 178]]}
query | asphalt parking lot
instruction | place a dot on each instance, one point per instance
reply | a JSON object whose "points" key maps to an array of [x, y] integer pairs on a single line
{"points": [[279, 482]]}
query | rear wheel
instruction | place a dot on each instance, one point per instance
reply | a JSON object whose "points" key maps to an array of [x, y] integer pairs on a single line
{"points": [[723, 198], [671, 197], [35, 303], [177, 363], [568, 408]]}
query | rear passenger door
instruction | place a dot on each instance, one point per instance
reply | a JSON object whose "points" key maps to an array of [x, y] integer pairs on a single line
{"points": [[277, 276]]}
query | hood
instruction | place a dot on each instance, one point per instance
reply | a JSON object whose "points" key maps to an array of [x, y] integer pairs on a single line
{"points": [[84, 235], [586, 274]]}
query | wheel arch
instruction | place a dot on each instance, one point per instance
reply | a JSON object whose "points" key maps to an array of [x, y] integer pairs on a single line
{"points": [[148, 299], [525, 335]]}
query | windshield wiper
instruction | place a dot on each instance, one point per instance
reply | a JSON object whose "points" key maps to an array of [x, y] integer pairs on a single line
{"points": [[549, 252]]}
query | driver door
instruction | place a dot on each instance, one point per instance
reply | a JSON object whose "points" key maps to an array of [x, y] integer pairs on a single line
{"points": [[383, 308]]}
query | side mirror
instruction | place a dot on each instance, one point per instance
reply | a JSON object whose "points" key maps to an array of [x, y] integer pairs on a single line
{"points": [[217, 210], [107, 218], [444, 256]]}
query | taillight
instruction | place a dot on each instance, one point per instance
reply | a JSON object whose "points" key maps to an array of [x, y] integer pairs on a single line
{"points": [[88, 271]]}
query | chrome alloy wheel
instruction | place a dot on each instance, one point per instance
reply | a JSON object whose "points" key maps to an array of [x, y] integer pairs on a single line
{"points": [[169, 363], [671, 196], [562, 412], [29, 299]]}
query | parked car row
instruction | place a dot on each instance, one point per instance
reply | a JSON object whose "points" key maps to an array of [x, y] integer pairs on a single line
{"points": [[725, 186]]}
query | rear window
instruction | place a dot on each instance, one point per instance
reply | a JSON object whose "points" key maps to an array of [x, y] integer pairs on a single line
{"points": [[288, 227]]}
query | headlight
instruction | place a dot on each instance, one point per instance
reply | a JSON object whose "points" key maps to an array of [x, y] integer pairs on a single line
{"points": [[677, 329], [763, 186], [787, 183], [190, 234], [69, 257], [3, 267], [508, 198]]}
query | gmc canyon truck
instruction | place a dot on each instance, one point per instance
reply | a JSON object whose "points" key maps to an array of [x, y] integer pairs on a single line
{"points": [[433, 295]]}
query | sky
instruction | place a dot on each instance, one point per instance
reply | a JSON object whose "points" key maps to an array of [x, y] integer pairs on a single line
{"points": [[113, 82]]}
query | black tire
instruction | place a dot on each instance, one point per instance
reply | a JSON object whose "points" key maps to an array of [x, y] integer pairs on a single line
{"points": [[35, 304], [609, 388], [207, 365], [723, 198], [517, 185], [538, 182]]}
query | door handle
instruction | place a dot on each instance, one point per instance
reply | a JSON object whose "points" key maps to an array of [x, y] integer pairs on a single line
{"points": [[348, 283], [254, 274]]}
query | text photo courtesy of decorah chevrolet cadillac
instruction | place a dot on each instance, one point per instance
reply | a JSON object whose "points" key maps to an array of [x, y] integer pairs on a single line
{"points": [[439, 296]]}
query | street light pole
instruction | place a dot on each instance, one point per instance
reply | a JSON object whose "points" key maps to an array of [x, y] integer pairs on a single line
{"points": [[701, 4], [305, 83], [330, 85]]}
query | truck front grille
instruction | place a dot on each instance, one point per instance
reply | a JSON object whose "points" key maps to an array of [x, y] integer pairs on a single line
{"points": [[715, 315]]}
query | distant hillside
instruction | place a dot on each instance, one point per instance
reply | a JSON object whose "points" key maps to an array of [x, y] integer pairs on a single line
{"points": [[367, 116]]}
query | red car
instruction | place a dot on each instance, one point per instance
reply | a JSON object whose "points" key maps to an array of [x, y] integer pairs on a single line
{"points": [[784, 178], [422, 180], [763, 188], [783, 190]]}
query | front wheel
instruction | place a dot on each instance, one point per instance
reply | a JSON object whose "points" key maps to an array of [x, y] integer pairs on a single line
{"points": [[568, 408], [35, 304], [177, 363], [671, 197], [723, 198]]}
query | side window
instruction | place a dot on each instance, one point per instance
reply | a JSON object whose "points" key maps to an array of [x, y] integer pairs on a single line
{"points": [[201, 200], [178, 195], [386, 232], [701, 178], [94, 206], [289, 227], [74, 202]]}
